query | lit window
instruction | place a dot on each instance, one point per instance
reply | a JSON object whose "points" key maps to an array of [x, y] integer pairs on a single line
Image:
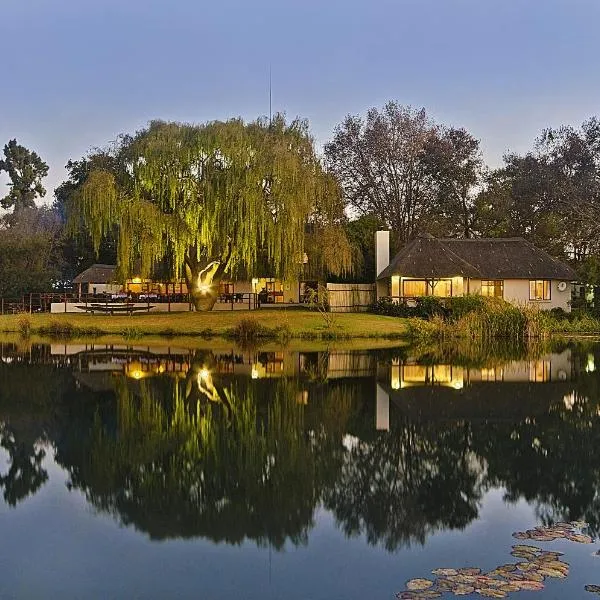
{"points": [[413, 288], [539, 371], [539, 289], [492, 288], [442, 288]]}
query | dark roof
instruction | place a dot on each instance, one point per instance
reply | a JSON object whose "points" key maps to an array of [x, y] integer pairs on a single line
{"points": [[97, 274], [427, 256], [490, 258]]}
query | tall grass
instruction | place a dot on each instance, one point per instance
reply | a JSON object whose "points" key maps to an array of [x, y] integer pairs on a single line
{"points": [[489, 320]]}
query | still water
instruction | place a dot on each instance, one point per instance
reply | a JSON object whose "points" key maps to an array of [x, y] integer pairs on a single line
{"points": [[141, 472]]}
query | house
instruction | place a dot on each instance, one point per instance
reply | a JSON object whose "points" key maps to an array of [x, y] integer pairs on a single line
{"points": [[509, 268], [98, 279]]}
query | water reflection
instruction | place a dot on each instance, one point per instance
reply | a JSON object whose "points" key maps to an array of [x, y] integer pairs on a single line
{"points": [[242, 444]]}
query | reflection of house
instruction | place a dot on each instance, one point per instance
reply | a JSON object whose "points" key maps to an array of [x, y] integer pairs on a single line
{"points": [[510, 391], [98, 279], [509, 268]]}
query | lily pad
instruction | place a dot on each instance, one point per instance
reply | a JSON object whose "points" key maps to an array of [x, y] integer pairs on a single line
{"points": [[419, 584]]}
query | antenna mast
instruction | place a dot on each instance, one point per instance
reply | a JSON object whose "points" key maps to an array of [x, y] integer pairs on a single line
{"points": [[270, 99]]}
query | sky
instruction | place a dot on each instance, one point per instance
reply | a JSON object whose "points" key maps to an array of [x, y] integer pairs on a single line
{"points": [[76, 73]]}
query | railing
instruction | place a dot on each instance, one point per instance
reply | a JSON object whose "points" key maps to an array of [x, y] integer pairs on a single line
{"points": [[32, 303]]}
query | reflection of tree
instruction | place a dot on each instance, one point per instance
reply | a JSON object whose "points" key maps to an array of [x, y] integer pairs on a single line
{"points": [[174, 468], [29, 396], [552, 460], [404, 485], [25, 474]]}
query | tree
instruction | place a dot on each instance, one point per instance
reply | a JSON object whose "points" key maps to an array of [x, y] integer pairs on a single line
{"points": [[30, 251], [379, 163], [211, 199], [26, 171], [454, 163], [78, 248], [551, 195]]}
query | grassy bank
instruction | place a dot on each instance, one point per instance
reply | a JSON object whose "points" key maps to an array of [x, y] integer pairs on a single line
{"points": [[268, 324], [491, 320]]}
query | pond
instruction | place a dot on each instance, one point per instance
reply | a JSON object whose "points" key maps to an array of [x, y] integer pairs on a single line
{"points": [[163, 472]]}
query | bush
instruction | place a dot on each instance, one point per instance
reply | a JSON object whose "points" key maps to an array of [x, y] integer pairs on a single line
{"points": [[24, 325], [429, 306], [249, 329], [460, 306], [385, 306], [131, 332]]}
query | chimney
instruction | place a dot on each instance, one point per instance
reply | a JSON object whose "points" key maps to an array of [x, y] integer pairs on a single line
{"points": [[382, 250]]}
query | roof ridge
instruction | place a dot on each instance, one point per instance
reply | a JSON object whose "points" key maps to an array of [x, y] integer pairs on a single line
{"points": [[460, 258]]}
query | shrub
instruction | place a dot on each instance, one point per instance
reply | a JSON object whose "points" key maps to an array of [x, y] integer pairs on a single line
{"points": [[249, 329], [131, 332], [24, 325], [429, 306], [459, 306], [385, 306]]}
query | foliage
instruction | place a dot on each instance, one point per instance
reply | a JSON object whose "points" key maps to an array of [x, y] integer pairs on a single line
{"points": [[30, 252], [223, 197], [78, 249], [24, 326], [318, 299], [25, 170], [550, 196], [409, 173]]}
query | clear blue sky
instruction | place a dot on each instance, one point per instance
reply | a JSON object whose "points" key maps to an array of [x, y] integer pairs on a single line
{"points": [[75, 73]]}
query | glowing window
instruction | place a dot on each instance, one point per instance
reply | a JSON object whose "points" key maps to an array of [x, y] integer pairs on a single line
{"points": [[539, 289], [492, 288]]}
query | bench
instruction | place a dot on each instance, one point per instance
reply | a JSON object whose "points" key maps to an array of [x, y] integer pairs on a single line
{"points": [[119, 308]]}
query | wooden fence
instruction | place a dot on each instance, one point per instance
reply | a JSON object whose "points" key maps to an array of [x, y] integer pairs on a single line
{"points": [[351, 297]]}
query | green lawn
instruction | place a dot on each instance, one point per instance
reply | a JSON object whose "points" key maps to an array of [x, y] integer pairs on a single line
{"points": [[300, 323]]}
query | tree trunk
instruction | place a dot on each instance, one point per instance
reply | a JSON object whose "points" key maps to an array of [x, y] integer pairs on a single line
{"points": [[202, 280]]}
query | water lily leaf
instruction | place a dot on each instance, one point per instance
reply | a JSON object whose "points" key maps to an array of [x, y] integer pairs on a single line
{"points": [[594, 589], [580, 538], [463, 590], [527, 584], [469, 571], [525, 548], [579, 524], [445, 572], [550, 572], [523, 554], [492, 593], [520, 535], [526, 566], [419, 584]]}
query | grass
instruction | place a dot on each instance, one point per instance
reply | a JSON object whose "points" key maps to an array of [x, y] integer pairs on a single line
{"points": [[297, 324]]}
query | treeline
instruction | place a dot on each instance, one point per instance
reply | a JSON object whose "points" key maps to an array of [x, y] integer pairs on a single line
{"points": [[395, 168]]}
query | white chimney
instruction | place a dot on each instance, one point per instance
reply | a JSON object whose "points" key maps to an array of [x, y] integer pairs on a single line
{"points": [[382, 250]]}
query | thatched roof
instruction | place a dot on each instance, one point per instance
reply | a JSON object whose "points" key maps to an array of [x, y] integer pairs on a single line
{"points": [[486, 258], [428, 257], [97, 274]]}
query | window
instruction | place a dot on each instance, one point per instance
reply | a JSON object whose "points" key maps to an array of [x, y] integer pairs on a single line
{"points": [[493, 288], [539, 289], [539, 371], [442, 288], [414, 287]]}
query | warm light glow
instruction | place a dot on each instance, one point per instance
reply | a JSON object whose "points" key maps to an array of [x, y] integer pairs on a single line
{"points": [[204, 287], [254, 280], [136, 280], [395, 379], [136, 374], [254, 373], [457, 385], [591, 365], [204, 374]]}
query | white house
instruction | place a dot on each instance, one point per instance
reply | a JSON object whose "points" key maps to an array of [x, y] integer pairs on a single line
{"points": [[509, 268]]}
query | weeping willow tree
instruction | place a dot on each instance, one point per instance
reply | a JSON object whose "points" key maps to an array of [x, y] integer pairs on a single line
{"points": [[215, 199]]}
